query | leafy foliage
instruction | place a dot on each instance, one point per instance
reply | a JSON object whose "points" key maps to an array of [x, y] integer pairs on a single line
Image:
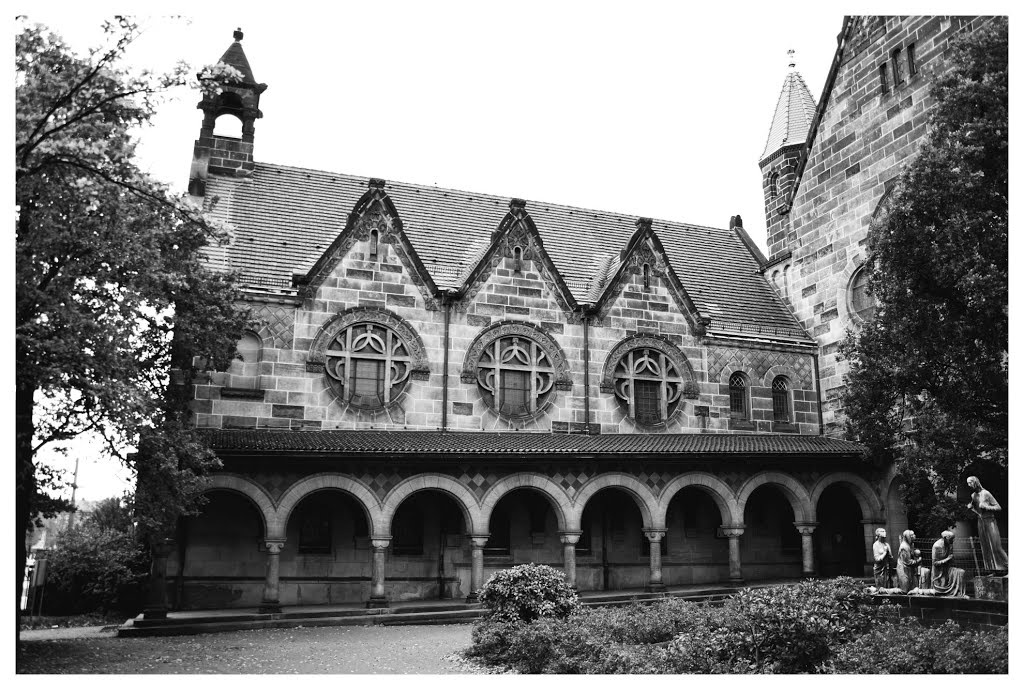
{"points": [[910, 647], [527, 592], [112, 293], [788, 629], [928, 381], [95, 568]]}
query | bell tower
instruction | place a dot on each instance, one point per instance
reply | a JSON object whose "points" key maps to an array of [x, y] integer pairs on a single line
{"points": [[216, 154], [787, 140]]}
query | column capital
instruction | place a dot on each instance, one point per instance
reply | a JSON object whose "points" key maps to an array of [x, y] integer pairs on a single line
{"points": [[805, 527], [570, 537], [479, 540], [654, 535], [732, 531], [380, 543], [274, 546]]}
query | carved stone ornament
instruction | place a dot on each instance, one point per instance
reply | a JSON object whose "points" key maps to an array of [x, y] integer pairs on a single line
{"points": [[368, 356], [512, 355], [648, 376]]}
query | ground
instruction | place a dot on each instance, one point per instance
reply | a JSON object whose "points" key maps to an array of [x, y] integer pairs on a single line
{"points": [[342, 649]]}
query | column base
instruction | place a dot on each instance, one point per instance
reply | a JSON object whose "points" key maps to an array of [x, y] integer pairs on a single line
{"points": [[737, 582], [473, 598], [808, 576], [270, 607], [154, 614], [658, 587], [377, 603]]}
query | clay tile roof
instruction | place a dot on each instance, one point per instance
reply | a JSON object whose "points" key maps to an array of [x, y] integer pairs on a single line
{"points": [[793, 115], [235, 57], [457, 443], [285, 217]]}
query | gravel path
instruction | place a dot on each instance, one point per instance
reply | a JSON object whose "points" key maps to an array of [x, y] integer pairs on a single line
{"points": [[342, 649]]}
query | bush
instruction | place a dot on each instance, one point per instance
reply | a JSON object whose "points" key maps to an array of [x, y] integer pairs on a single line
{"points": [[527, 592], [94, 570], [773, 630], [910, 647]]}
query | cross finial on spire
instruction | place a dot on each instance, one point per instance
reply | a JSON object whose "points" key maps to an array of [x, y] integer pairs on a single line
{"points": [[238, 34], [792, 58]]}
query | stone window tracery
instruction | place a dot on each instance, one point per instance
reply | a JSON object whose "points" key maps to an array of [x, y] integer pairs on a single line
{"points": [[368, 365], [739, 405], [517, 368], [649, 384], [861, 303], [515, 376]]}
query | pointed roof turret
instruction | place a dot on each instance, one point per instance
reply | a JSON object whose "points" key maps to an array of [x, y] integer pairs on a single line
{"points": [[235, 57], [793, 113]]}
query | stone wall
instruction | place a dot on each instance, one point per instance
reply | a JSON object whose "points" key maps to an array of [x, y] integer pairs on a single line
{"points": [[866, 137]]}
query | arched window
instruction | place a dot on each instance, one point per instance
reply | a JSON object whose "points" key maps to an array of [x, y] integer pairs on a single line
{"points": [[773, 185], [517, 259], [883, 79], [785, 281], [515, 376], [373, 243], [860, 303], [649, 384], [897, 69], [647, 277], [368, 364], [739, 405], [911, 61], [244, 370], [781, 410], [228, 125]]}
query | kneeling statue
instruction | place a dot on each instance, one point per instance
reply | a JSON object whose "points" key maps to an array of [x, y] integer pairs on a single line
{"points": [[947, 580]]}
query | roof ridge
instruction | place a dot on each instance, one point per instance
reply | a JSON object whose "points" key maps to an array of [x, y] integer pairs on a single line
{"points": [[496, 197]]}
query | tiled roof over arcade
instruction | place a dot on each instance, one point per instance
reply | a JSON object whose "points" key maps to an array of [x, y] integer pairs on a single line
{"points": [[285, 218]]}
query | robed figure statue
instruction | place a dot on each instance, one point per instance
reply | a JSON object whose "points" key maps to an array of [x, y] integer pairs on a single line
{"points": [[985, 507], [883, 560], [947, 581], [908, 563]]}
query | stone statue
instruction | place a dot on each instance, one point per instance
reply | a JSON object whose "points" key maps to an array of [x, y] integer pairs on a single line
{"points": [[985, 506], [908, 563], [947, 581], [883, 560]]}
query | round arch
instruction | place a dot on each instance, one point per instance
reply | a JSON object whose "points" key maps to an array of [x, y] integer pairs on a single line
{"points": [[719, 491], [871, 506], [794, 491], [642, 495], [558, 499], [789, 372], [248, 488], [319, 482], [467, 502]]}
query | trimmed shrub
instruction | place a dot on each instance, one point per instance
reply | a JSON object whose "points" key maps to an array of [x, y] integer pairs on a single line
{"points": [[910, 647], [527, 592]]}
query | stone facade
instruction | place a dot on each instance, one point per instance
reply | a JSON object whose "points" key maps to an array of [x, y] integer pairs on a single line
{"points": [[866, 134]]}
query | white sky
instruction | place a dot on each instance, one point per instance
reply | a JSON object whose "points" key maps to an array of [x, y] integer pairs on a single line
{"points": [[647, 108]]}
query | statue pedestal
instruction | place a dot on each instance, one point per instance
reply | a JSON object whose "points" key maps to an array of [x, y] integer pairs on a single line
{"points": [[991, 587]]}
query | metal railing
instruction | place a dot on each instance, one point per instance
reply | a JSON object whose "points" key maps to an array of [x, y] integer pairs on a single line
{"points": [[966, 553]]}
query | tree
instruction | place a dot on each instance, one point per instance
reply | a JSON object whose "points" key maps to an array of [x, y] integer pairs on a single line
{"points": [[928, 383], [112, 293]]}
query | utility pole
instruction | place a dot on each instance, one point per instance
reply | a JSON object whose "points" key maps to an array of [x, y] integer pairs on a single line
{"points": [[74, 487]]}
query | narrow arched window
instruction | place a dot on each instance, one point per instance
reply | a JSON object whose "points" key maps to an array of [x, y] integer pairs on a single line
{"points": [[373, 243], [911, 61], [773, 185], [517, 259], [781, 411], [647, 277], [785, 281], [883, 79], [244, 370], [897, 69], [738, 407]]}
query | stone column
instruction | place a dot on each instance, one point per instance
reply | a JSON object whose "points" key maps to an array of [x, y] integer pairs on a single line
{"points": [[377, 573], [654, 536], [869, 540], [569, 540], [806, 530], [157, 606], [734, 532], [476, 578], [271, 585]]}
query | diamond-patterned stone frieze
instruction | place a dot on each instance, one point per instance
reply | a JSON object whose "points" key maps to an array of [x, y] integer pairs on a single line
{"points": [[278, 324], [756, 363]]}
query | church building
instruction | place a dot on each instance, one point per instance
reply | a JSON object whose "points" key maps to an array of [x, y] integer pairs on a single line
{"points": [[640, 402]]}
